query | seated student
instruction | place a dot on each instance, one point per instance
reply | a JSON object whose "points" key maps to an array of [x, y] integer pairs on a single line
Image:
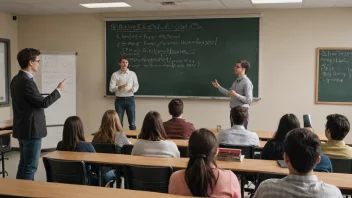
{"points": [[202, 178], [110, 130], [73, 140], [274, 148], [176, 127], [237, 134], [152, 139], [301, 154], [73, 137], [336, 129]]}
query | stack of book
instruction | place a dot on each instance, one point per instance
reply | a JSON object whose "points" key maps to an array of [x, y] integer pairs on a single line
{"points": [[228, 154]]}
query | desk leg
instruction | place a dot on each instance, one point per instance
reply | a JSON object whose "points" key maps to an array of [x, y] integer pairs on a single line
{"points": [[3, 165], [100, 175]]}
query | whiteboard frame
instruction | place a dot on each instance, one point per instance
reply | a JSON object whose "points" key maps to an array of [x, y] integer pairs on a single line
{"points": [[143, 18], [7, 69], [63, 53]]}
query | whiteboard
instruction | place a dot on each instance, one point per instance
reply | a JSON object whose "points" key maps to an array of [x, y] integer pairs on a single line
{"points": [[54, 67]]}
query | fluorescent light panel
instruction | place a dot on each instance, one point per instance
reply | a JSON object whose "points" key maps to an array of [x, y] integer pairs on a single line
{"points": [[275, 1], [106, 5]]}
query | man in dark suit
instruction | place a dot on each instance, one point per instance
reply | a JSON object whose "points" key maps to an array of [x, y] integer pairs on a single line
{"points": [[29, 125], [177, 128]]}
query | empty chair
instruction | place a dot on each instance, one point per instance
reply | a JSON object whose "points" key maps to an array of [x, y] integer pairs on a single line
{"points": [[147, 178], [69, 172], [5, 146]]}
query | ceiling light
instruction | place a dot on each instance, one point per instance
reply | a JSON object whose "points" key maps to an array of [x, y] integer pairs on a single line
{"points": [[105, 5], [275, 1]]}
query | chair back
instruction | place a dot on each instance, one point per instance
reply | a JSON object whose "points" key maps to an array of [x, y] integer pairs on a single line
{"points": [[184, 152], [107, 148], [147, 178], [341, 165], [69, 172], [5, 143], [127, 149]]}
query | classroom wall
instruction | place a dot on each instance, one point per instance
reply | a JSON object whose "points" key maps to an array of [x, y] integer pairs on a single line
{"points": [[288, 39], [8, 30]]}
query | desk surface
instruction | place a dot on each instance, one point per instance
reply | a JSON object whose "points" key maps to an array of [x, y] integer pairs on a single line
{"points": [[342, 181], [5, 124], [265, 135], [23, 188], [5, 132], [178, 142]]}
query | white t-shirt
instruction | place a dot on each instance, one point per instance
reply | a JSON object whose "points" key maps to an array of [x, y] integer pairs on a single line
{"points": [[162, 148]]}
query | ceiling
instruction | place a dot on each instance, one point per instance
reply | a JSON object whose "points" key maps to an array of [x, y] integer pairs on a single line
{"points": [[39, 7]]}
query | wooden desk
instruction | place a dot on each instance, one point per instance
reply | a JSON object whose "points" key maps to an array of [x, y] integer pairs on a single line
{"points": [[178, 142], [23, 188], [265, 135], [5, 132], [6, 124], [342, 181]]}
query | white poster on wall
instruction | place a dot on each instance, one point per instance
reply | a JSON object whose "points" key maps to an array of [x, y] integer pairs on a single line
{"points": [[2, 73]]}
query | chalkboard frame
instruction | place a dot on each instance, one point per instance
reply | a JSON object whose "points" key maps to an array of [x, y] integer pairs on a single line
{"points": [[141, 18], [317, 76], [7, 61]]}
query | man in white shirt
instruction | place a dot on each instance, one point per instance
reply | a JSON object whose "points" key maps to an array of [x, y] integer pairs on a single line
{"points": [[124, 84], [237, 134]]}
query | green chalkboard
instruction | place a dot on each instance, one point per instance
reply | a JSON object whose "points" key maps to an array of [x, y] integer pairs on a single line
{"points": [[181, 57], [334, 76]]}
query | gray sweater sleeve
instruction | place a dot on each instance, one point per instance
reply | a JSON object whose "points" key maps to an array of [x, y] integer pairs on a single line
{"points": [[248, 94], [121, 139], [223, 91]]}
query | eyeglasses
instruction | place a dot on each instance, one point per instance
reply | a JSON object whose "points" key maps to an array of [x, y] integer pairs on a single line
{"points": [[37, 61]]}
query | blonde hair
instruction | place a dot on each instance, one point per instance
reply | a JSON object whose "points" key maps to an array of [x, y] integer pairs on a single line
{"points": [[110, 124]]}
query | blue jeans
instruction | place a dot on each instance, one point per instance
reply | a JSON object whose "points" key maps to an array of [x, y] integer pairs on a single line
{"points": [[127, 104], [29, 158], [110, 175]]}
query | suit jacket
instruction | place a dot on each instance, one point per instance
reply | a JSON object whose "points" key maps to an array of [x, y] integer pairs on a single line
{"points": [[177, 128], [28, 107]]}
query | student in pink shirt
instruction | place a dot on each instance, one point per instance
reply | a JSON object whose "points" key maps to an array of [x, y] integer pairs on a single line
{"points": [[202, 178]]}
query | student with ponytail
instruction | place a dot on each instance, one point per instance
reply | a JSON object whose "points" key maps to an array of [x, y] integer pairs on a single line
{"points": [[202, 178]]}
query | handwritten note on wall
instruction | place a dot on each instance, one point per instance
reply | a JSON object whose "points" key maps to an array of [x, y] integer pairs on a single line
{"points": [[2, 73]]}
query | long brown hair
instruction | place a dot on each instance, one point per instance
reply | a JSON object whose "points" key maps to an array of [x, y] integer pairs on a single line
{"points": [[199, 174], [110, 124], [73, 133], [153, 127]]}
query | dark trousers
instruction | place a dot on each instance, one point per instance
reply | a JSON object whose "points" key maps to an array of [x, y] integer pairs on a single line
{"points": [[127, 104], [29, 158]]}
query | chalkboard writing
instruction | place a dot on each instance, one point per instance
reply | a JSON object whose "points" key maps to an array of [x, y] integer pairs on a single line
{"points": [[181, 57], [334, 70]]}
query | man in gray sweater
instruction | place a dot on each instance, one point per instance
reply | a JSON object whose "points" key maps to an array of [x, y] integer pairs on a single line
{"points": [[241, 91]]}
